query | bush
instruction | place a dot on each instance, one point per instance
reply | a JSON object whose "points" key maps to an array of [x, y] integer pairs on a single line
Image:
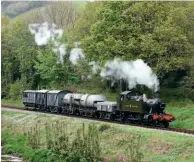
{"points": [[133, 151], [15, 90], [17, 144], [84, 147], [104, 127]]}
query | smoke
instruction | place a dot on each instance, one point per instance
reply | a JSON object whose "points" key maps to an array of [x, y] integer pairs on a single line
{"points": [[60, 50], [76, 54], [95, 66], [43, 33], [134, 72]]}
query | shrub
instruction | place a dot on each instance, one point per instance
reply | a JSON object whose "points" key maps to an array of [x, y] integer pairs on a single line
{"points": [[15, 90], [34, 136], [133, 150], [60, 145], [104, 127], [84, 147]]}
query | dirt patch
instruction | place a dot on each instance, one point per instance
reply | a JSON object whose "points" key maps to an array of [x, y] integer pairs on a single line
{"points": [[159, 146]]}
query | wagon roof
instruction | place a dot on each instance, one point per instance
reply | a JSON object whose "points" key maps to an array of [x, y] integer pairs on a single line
{"points": [[57, 91], [42, 91], [106, 103], [30, 91], [54, 91]]}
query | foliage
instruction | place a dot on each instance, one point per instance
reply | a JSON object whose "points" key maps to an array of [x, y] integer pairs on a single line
{"points": [[144, 30], [34, 136], [133, 150], [15, 90], [12, 102], [83, 23], [85, 146], [18, 54], [160, 33], [16, 144]]}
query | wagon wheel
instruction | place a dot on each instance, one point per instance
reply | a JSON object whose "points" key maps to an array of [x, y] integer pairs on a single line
{"points": [[112, 117], [59, 110]]}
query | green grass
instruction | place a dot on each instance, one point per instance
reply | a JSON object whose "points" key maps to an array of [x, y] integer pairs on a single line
{"points": [[184, 114], [156, 145], [17, 144], [11, 102]]}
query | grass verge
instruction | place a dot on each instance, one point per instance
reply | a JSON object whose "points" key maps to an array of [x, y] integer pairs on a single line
{"points": [[117, 142], [11, 102]]}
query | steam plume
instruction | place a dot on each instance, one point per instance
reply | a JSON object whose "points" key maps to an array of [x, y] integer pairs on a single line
{"points": [[44, 32], [76, 54], [95, 66], [134, 72]]}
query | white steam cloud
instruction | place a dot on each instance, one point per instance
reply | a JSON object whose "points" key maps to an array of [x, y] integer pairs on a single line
{"points": [[95, 66], [134, 72], [60, 50], [76, 54], [44, 32]]}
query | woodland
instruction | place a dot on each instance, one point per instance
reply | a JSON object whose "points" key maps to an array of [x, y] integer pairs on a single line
{"points": [[159, 33]]}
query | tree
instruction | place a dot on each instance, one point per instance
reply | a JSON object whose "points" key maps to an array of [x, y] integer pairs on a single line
{"points": [[18, 54], [52, 74], [146, 30], [63, 14], [81, 27]]}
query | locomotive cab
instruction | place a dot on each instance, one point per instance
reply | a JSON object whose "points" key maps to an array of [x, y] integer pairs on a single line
{"points": [[131, 101]]}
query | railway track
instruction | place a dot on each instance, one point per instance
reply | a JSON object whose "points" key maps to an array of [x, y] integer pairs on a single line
{"points": [[180, 131]]}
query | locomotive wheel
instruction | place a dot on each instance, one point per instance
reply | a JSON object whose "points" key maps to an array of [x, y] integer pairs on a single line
{"points": [[123, 117], [166, 124], [151, 121]]}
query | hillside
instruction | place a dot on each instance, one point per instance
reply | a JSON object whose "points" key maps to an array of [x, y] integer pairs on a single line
{"points": [[15, 8]]}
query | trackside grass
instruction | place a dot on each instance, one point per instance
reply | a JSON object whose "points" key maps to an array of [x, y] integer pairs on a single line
{"points": [[11, 102], [184, 114], [116, 142]]}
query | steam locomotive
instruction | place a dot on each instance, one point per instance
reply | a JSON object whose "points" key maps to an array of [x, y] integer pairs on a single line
{"points": [[131, 106]]}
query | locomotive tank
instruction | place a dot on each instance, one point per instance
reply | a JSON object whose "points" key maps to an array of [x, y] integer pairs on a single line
{"points": [[76, 97], [67, 98], [90, 100]]}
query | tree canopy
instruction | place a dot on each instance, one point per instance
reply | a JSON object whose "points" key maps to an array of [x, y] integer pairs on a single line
{"points": [[160, 33]]}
